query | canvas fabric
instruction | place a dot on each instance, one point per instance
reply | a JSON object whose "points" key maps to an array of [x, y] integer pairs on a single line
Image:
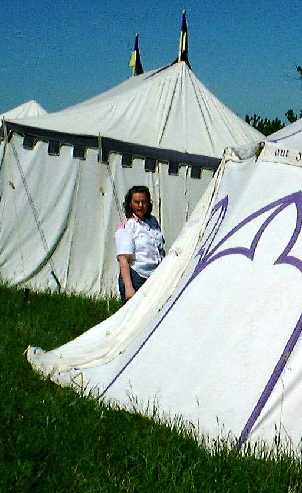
{"points": [[59, 214], [204, 335], [29, 109], [168, 108]]}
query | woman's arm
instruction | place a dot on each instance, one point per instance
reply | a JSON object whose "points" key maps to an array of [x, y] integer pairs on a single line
{"points": [[124, 261]]}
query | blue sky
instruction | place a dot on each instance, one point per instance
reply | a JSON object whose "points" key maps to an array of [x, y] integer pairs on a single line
{"points": [[63, 52]]}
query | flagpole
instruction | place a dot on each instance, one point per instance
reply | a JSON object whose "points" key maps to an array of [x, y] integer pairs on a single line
{"points": [[135, 59]]}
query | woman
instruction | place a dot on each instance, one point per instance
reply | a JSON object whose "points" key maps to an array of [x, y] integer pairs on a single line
{"points": [[139, 242]]}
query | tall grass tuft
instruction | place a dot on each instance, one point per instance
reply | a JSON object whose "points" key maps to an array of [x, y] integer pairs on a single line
{"points": [[52, 440]]}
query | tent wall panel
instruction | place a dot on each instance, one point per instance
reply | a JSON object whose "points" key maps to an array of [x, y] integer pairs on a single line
{"points": [[159, 129], [35, 207]]}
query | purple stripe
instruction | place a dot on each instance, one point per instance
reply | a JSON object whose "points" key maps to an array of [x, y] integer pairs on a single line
{"points": [[298, 131], [222, 205], [143, 343], [290, 345]]}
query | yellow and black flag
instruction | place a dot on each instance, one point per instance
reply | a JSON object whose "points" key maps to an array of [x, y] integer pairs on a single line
{"points": [[183, 53], [135, 59]]}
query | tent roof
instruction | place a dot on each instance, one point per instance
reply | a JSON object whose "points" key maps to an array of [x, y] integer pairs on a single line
{"points": [[29, 109], [167, 108], [290, 135]]}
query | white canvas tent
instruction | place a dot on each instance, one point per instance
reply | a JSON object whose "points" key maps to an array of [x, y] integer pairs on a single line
{"points": [[29, 109], [61, 204], [215, 334], [290, 135]]}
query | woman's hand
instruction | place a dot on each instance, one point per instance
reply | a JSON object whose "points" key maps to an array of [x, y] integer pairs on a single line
{"points": [[124, 261], [129, 292]]}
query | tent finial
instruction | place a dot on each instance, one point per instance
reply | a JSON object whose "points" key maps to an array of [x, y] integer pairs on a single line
{"points": [[135, 59], [183, 51]]}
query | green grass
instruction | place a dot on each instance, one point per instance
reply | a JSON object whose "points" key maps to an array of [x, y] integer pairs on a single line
{"points": [[54, 441]]}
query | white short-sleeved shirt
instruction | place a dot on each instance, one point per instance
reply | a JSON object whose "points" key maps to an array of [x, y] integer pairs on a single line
{"points": [[143, 240]]}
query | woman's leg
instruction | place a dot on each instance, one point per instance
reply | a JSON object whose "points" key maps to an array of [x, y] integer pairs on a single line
{"points": [[137, 280]]}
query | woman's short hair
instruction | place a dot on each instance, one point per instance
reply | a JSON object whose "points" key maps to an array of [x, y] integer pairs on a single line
{"points": [[128, 198]]}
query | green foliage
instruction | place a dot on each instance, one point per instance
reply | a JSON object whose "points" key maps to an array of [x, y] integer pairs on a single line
{"points": [[264, 125], [292, 116], [268, 126], [52, 440]]}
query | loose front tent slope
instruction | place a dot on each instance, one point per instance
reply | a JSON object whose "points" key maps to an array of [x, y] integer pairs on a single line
{"points": [[62, 204], [215, 334]]}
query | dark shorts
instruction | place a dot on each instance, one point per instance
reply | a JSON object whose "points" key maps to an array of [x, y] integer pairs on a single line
{"points": [[137, 282]]}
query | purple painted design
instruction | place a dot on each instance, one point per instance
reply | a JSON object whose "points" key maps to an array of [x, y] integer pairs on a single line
{"points": [[208, 256], [285, 258], [287, 351], [221, 207], [276, 207]]}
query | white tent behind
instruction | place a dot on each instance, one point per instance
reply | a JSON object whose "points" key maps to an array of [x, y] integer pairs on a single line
{"points": [[215, 334], [65, 175], [167, 108], [291, 135], [29, 109]]}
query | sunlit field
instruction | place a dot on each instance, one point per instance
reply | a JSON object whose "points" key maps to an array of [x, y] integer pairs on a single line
{"points": [[53, 440]]}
